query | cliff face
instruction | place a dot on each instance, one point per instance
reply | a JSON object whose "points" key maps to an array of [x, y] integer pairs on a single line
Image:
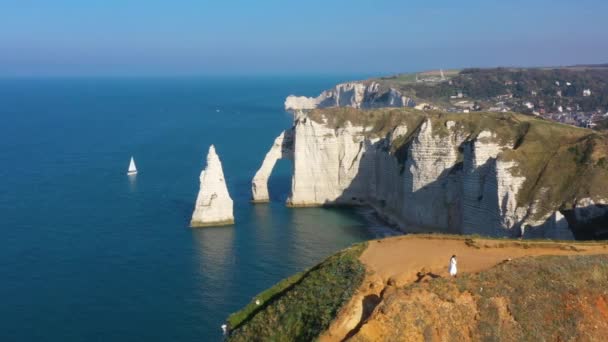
{"points": [[213, 204], [352, 94], [492, 174]]}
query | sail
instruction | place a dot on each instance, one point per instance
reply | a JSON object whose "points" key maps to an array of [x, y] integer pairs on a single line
{"points": [[132, 168]]}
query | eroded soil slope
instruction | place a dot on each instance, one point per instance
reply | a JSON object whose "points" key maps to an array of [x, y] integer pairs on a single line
{"points": [[505, 290], [546, 298]]}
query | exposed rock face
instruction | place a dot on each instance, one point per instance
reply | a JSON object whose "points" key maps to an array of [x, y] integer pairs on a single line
{"points": [[213, 204], [490, 189], [326, 162], [352, 94], [433, 174], [282, 148]]}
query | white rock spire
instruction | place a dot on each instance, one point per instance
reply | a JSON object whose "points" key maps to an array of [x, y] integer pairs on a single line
{"points": [[213, 204]]}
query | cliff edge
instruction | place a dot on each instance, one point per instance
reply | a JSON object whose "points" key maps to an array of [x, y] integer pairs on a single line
{"points": [[398, 289]]}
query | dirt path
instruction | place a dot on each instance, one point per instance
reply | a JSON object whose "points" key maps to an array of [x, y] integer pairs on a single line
{"points": [[400, 259]]}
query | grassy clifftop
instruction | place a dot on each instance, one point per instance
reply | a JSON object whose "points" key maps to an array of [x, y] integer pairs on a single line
{"points": [[299, 308]]}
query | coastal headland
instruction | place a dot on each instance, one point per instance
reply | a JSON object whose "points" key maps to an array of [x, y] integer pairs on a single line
{"points": [[399, 290]]}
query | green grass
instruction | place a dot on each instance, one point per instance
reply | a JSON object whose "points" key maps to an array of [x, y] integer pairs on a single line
{"points": [[236, 319], [301, 307], [410, 78], [401, 78]]}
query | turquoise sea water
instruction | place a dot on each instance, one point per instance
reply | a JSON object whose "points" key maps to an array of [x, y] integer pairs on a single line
{"points": [[89, 255]]}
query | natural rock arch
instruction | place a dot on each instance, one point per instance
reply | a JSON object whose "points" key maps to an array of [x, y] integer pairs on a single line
{"points": [[282, 148]]}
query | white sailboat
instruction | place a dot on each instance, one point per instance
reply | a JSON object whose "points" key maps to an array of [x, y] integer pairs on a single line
{"points": [[132, 168]]}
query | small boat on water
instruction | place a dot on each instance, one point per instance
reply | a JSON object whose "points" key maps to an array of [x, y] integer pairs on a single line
{"points": [[132, 168]]}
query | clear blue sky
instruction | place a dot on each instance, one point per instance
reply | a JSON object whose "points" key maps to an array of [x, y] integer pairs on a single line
{"points": [[150, 37]]}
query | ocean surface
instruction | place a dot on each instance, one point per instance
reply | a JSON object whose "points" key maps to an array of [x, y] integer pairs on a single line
{"points": [[89, 254]]}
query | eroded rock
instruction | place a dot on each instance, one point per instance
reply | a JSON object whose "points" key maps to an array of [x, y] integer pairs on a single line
{"points": [[213, 207]]}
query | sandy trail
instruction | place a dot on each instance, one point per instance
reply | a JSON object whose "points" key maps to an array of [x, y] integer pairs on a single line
{"points": [[401, 258]]}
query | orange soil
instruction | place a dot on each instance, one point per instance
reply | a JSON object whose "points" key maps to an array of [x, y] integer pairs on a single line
{"points": [[400, 259]]}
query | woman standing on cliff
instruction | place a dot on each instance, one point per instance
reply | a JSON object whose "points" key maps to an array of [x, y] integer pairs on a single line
{"points": [[452, 267]]}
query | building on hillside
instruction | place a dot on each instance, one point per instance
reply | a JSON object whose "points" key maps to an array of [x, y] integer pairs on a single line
{"points": [[459, 95], [587, 92], [424, 106], [464, 104]]}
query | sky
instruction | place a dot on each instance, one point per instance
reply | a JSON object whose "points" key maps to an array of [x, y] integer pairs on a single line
{"points": [[208, 37]]}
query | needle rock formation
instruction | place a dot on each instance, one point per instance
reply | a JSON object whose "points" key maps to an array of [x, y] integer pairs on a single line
{"points": [[213, 204]]}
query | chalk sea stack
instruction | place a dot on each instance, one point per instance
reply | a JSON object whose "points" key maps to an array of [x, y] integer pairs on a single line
{"points": [[213, 205]]}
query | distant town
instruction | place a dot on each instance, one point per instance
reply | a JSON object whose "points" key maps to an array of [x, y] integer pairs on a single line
{"points": [[575, 95], [572, 114]]}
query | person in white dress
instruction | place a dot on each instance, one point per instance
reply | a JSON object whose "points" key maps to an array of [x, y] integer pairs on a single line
{"points": [[452, 267]]}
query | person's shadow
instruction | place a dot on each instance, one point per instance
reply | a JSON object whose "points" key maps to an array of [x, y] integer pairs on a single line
{"points": [[422, 275]]}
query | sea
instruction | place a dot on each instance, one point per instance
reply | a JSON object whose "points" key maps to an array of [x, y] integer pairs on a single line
{"points": [[90, 254]]}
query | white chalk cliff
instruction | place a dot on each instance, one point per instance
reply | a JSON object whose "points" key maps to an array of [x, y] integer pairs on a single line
{"points": [[213, 207], [450, 180], [351, 94]]}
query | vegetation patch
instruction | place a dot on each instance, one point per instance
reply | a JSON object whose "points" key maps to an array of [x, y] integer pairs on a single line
{"points": [[536, 85], [301, 307], [236, 319]]}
